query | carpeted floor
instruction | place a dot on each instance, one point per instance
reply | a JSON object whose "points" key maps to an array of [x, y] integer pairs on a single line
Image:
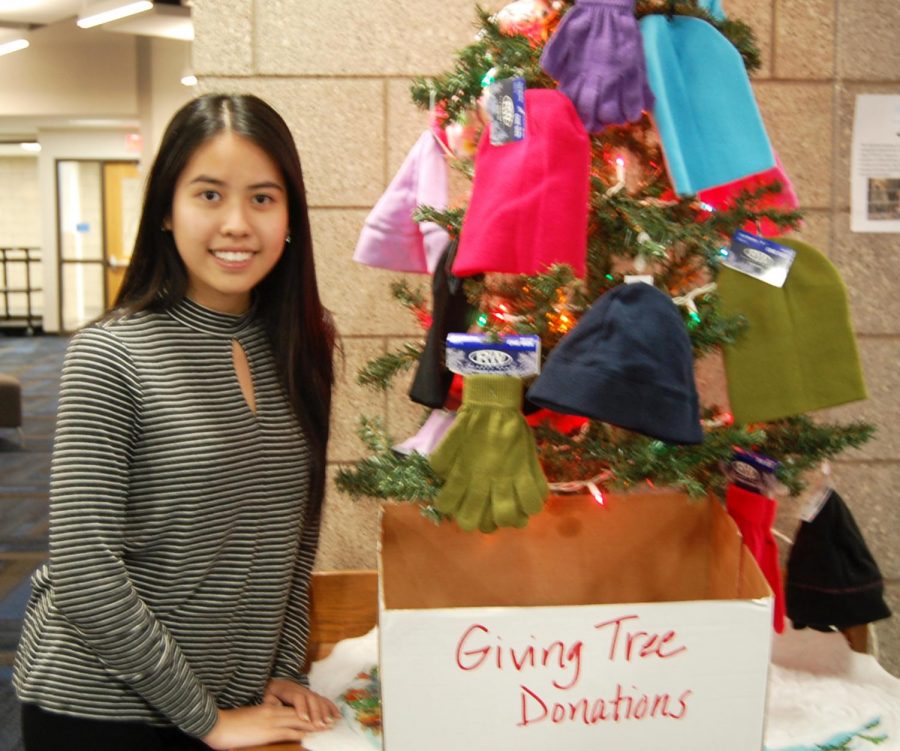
{"points": [[24, 476]]}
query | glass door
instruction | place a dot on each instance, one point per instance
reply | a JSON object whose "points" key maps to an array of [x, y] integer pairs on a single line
{"points": [[98, 208], [122, 211]]}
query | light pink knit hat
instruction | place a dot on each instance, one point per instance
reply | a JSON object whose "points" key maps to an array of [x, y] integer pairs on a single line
{"points": [[390, 239]]}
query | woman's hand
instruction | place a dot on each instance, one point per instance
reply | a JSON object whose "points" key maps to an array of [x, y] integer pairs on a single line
{"points": [[255, 726], [314, 712]]}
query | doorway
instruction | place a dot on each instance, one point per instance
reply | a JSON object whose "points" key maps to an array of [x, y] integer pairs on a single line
{"points": [[98, 209]]}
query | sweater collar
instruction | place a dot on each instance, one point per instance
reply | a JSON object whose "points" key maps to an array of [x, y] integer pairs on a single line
{"points": [[199, 318]]}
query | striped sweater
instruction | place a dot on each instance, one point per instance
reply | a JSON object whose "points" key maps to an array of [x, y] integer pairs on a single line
{"points": [[180, 551]]}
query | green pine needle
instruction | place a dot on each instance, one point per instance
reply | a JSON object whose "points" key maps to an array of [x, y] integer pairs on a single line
{"points": [[379, 373]]}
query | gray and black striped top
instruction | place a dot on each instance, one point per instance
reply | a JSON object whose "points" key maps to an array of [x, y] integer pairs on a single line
{"points": [[180, 551]]}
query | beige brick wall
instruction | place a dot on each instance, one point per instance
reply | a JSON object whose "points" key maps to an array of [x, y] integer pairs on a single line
{"points": [[20, 217], [339, 73]]}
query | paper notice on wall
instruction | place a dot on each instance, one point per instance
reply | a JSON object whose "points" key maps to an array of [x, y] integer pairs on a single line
{"points": [[875, 164]]}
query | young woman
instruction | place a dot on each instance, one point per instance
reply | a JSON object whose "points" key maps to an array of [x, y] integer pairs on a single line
{"points": [[189, 465]]}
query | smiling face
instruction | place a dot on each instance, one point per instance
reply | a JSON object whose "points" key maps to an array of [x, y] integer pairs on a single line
{"points": [[229, 221]]}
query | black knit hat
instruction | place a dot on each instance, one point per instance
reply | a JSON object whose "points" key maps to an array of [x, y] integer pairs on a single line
{"points": [[832, 578], [627, 362], [450, 312]]}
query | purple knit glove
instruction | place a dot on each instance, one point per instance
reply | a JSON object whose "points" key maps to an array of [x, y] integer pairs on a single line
{"points": [[597, 56]]}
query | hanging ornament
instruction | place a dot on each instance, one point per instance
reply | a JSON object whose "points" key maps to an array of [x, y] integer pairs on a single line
{"points": [[462, 135], [527, 18]]}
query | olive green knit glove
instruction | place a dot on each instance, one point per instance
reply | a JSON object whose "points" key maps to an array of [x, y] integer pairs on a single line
{"points": [[488, 459]]}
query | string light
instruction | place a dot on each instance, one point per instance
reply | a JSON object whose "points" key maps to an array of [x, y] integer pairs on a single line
{"points": [[688, 302], [577, 486], [694, 319], [558, 319], [721, 420], [560, 323], [620, 177], [423, 317], [482, 319]]}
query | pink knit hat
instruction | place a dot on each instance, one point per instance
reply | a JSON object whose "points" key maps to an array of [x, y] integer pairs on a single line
{"points": [[529, 206], [390, 239]]}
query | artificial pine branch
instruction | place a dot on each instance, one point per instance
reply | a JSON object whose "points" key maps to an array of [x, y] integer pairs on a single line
{"points": [[801, 445], [387, 474], [379, 373], [630, 459], [449, 219], [460, 89], [414, 299], [713, 328]]}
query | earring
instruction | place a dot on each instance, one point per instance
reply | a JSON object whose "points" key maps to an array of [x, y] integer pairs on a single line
{"points": [[287, 238]]}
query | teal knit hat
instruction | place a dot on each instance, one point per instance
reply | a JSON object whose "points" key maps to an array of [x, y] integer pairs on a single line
{"points": [[799, 352]]}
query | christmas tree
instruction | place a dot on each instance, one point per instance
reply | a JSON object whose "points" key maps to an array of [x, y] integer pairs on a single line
{"points": [[630, 74]]}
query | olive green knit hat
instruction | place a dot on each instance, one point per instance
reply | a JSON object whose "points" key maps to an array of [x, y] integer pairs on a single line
{"points": [[798, 353]]}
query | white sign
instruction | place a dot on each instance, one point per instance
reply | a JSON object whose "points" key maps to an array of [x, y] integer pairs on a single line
{"points": [[875, 164], [637, 676]]}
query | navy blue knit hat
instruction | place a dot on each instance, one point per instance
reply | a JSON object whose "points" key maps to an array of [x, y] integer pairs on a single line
{"points": [[627, 362], [832, 578]]}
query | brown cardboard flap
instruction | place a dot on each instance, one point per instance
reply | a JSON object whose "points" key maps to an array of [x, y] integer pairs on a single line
{"points": [[658, 546], [753, 582], [725, 538]]}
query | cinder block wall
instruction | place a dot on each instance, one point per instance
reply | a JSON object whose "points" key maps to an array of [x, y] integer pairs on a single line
{"points": [[339, 73]]}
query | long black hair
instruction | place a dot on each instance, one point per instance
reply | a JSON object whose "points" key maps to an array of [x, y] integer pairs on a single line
{"points": [[300, 329]]}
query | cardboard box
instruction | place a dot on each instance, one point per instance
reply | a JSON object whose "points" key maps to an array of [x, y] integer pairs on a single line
{"points": [[642, 624]]}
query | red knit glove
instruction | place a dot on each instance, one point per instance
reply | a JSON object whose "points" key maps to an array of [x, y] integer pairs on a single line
{"points": [[754, 514]]}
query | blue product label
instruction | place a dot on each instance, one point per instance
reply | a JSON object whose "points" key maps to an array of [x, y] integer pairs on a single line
{"points": [[753, 471], [760, 258], [468, 354], [506, 105]]}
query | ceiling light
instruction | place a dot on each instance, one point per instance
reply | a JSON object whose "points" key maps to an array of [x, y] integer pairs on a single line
{"points": [[111, 10], [189, 79], [13, 46], [32, 147]]}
